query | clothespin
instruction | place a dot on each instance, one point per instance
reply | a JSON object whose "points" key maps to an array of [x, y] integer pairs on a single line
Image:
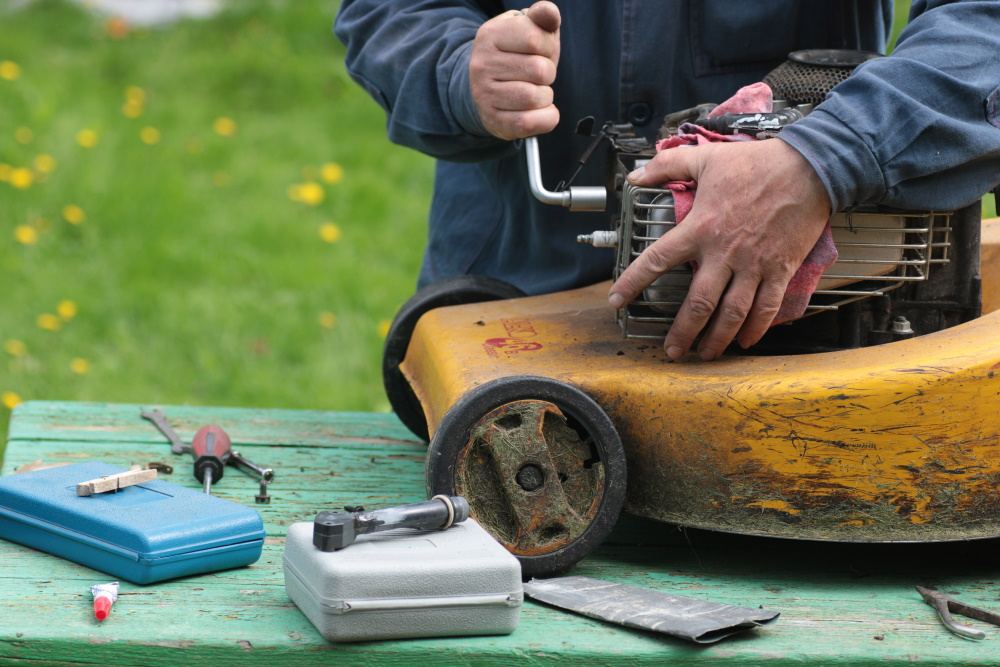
{"points": [[114, 482], [946, 606]]}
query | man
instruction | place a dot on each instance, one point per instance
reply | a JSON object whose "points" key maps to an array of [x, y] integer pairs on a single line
{"points": [[463, 81]]}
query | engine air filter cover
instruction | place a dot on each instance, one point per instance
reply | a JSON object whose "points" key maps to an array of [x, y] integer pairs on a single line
{"points": [[807, 76]]}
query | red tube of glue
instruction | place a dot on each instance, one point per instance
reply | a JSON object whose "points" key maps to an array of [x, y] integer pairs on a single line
{"points": [[105, 595]]}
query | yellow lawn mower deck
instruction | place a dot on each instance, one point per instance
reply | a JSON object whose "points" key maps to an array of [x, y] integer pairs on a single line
{"points": [[547, 420]]}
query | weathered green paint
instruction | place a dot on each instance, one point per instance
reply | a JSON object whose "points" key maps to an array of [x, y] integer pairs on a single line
{"points": [[121, 423], [840, 604]]}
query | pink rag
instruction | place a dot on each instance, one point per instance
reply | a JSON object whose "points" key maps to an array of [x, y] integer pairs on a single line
{"points": [[756, 98]]}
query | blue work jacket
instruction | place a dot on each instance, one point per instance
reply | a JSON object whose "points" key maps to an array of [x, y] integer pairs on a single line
{"points": [[918, 129]]}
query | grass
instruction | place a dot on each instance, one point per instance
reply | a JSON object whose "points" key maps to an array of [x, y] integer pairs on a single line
{"points": [[250, 261], [254, 261]]}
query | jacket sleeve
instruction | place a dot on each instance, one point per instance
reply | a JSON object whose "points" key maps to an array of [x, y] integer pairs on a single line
{"points": [[412, 56], [920, 128]]}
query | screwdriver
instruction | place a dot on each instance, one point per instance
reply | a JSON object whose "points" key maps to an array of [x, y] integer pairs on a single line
{"points": [[210, 448]]}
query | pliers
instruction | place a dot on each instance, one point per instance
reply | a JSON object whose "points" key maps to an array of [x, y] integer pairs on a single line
{"points": [[946, 605]]}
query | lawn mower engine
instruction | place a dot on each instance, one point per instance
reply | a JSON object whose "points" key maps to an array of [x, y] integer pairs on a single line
{"points": [[898, 273]]}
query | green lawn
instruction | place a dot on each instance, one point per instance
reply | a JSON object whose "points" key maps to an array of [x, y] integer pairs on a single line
{"points": [[247, 230]]}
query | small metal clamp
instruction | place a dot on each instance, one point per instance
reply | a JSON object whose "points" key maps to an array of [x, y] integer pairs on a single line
{"points": [[946, 606]]}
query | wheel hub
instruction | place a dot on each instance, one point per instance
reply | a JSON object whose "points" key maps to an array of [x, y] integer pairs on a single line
{"points": [[530, 478]]}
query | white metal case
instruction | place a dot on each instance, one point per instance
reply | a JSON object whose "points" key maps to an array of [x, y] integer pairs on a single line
{"points": [[405, 583]]}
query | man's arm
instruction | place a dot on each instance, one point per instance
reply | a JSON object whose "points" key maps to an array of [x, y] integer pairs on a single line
{"points": [[917, 129], [454, 82]]}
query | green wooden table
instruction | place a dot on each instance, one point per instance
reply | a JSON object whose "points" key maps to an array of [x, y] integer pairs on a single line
{"points": [[839, 604]]}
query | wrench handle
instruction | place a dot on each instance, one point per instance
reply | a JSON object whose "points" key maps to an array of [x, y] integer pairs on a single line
{"points": [[246, 465], [177, 445]]}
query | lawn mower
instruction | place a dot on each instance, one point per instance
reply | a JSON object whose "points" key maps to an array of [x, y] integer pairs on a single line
{"points": [[872, 418]]}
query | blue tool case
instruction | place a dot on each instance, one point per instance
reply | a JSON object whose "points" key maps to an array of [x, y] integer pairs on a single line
{"points": [[143, 533]]}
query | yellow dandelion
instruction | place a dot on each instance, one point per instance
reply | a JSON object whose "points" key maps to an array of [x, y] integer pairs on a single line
{"points": [[80, 366], [9, 70], [225, 127], [116, 27], [15, 348], [26, 234], [66, 309], [135, 95], [49, 322], [332, 172], [329, 232], [10, 400], [87, 138], [220, 179], [327, 320], [45, 164], [73, 214], [312, 193], [5, 170], [132, 109], [150, 135], [21, 178], [24, 135], [383, 328]]}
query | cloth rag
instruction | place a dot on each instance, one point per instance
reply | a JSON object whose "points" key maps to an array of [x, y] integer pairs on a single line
{"points": [[755, 98]]}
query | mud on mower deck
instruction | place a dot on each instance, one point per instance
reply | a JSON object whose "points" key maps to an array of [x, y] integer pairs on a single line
{"points": [[529, 401]]}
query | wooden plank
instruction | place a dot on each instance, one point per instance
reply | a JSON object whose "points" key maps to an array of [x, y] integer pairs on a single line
{"points": [[840, 604], [121, 423], [246, 608]]}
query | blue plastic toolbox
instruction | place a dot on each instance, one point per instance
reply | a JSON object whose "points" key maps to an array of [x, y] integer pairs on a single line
{"points": [[143, 533]]}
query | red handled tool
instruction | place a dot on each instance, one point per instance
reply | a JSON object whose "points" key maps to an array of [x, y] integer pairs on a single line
{"points": [[215, 453], [210, 448]]}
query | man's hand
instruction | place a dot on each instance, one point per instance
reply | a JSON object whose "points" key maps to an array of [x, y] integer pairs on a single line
{"points": [[758, 211], [511, 70]]}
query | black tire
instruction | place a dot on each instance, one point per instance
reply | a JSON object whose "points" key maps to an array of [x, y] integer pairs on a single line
{"points": [[454, 291], [454, 441]]}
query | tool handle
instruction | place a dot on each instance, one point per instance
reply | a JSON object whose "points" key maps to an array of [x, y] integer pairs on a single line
{"points": [[159, 419], [439, 512], [333, 530], [945, 605], [241, 462], [211, 448]]}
